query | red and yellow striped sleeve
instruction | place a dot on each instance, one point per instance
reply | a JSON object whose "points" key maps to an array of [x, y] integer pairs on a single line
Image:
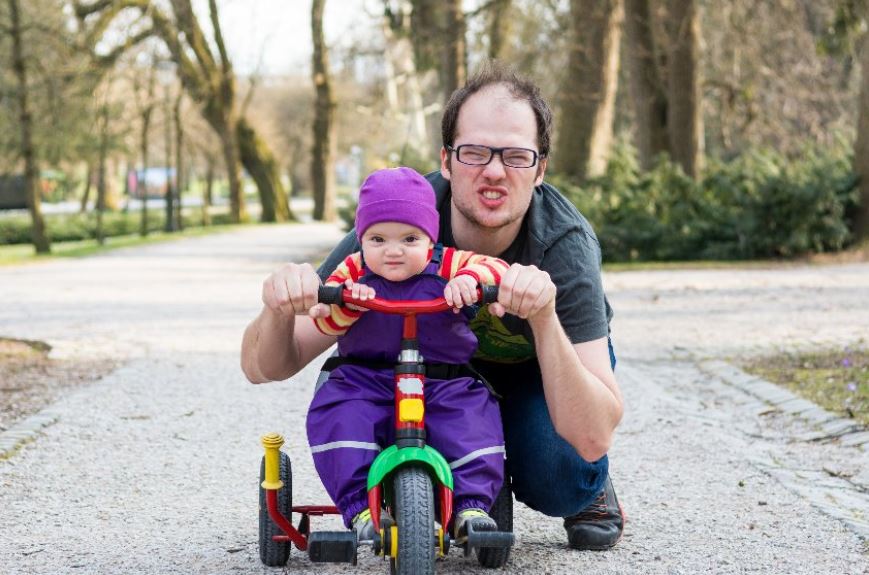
{"points": [[485, 269], [340, 318]]}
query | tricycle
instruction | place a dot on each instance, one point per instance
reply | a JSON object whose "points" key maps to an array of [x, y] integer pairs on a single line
{"points": [[404, 479]]}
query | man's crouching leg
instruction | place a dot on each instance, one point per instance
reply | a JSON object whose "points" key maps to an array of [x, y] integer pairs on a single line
{"points": [[548, 474]]}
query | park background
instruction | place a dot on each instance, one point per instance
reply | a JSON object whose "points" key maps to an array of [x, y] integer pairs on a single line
{"points": [[720, 149]]}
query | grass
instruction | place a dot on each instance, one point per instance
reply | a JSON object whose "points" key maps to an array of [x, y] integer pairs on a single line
{"points": [[24, 253], [837, 380]]}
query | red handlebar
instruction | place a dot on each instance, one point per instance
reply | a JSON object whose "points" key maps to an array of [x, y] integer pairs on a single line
{"points": [[398, 306], [342, 296]]}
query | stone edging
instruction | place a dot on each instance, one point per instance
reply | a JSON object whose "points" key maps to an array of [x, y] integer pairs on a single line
{"points": [[828, 426], [24, 431], [838, 497]]}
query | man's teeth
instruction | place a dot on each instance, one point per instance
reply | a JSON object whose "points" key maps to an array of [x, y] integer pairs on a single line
{"points": [[491, 195]]}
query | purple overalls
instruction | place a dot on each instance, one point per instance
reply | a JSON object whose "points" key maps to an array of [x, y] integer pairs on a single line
{"points": [[351, 416]]}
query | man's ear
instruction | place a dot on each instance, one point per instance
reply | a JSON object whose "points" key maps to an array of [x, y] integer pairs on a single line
{"points": [[541, 170], [445, 163]]}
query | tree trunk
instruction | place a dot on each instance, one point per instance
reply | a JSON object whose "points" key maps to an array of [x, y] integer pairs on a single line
{"points": [[262, 167], [454, 53], [142, 185], [208, 194], [88, 184], [685, 101], [400, 63], [645, 83], [169, 224], [499, 27], [322, 156], [101, 171], [39, 237], [229, 147], [588, 101], [861, 149], [179, 159]]}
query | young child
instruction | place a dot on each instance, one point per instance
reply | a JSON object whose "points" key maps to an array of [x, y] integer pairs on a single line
{"points": [[350, 418]]}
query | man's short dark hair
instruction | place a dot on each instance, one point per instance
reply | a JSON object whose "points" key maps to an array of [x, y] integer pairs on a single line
{"points": [[492, 73]]}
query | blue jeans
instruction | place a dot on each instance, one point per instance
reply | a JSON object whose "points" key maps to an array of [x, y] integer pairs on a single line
{"points": [[554, 479]]}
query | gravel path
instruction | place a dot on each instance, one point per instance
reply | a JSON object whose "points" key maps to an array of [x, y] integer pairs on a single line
{"points": [[153, 469]]}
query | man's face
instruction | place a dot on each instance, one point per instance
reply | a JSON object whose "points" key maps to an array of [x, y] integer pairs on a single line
{"points": [[493, 196]]}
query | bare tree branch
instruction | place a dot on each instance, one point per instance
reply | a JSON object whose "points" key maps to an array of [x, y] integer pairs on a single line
{"points": [[218, 36], [189, 25]]}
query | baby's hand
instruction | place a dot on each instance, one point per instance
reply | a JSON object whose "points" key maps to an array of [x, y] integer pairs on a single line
{"points": [[461, 291], [361, 292]]}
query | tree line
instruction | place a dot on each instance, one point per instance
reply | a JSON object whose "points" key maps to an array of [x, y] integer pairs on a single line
{"points": [[688, 80]]}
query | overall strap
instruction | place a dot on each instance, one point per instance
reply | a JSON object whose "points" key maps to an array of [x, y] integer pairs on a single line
{"points": [[437, 253]]}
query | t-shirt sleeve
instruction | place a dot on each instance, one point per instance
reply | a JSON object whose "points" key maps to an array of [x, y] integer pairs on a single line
{"points": [[574, 264]]}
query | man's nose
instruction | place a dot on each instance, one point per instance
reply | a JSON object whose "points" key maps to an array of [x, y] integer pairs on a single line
{"points": [[495, 169]]}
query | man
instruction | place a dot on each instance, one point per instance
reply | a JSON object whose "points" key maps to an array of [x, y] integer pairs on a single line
{"points": [[550, 358]]}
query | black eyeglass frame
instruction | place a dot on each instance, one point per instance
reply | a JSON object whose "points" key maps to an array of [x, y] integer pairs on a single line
{"points": [[493, 152]]}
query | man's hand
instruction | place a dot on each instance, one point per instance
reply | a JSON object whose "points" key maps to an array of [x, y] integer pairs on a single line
{"points": [[461, 291], [526, 292], [292, 290]]}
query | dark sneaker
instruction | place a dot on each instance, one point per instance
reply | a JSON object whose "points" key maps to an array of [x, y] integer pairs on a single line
{"points": [[473, 516], [599, 526]]}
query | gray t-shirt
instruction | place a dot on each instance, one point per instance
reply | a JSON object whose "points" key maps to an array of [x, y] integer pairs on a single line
{"points": [[556, 238]]}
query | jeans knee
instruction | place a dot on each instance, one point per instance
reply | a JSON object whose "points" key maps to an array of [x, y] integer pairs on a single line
{"points": [[558, 488]]}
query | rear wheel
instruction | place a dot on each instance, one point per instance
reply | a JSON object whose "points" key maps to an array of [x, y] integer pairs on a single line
{"points": [[275, 553], [415, 518], [502, 513]]}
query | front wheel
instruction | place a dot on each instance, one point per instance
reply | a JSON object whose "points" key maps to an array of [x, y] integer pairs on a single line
{"points": [[413, 508], [274, 553]]}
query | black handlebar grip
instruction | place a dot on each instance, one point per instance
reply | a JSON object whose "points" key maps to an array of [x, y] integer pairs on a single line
{"points": [[488, 294], [331, 295]]}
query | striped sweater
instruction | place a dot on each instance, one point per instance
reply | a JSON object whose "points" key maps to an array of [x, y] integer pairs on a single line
{"points": [[485, 269]]}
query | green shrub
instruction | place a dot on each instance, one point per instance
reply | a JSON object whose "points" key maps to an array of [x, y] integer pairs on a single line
{"points": [[758, 205]]}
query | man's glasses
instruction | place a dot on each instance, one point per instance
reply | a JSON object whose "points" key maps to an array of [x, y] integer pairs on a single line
{"points": [[478, 155]]}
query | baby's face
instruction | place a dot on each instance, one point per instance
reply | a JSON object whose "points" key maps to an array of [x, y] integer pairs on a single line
{"points": [[395, 251]]}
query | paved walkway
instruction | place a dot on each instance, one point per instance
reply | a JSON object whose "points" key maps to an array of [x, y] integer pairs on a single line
{"points": [[154, 468]]}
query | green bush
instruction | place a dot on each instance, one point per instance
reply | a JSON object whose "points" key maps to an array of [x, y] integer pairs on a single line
{"points": [[74, 227], [758, 205]]}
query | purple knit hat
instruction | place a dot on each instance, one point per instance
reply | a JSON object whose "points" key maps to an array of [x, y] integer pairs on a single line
{"points": [[397, 195]]}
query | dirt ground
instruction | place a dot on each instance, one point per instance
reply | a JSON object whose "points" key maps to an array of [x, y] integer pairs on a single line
{"points": [[30, 380]]}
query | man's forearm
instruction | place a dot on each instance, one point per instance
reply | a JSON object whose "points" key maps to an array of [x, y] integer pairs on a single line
{"points": [[584, 409], [268, 352]]}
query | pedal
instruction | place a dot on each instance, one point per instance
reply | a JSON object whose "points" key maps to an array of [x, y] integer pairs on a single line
{"points": [[332, 547], [487, 539]]}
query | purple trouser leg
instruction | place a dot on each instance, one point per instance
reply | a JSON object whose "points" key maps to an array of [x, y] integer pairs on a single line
{"points": [[350, 420], [463, 422]]}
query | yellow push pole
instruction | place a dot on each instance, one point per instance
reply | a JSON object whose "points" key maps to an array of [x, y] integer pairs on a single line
{"points": [[272, 443]]}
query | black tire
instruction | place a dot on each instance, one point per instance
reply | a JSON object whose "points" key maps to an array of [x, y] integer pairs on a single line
{"points": [[502, 513], [275, 553], [413, 508]]}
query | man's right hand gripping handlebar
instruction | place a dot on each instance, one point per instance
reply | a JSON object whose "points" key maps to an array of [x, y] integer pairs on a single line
{"points": [[292, 290]]}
